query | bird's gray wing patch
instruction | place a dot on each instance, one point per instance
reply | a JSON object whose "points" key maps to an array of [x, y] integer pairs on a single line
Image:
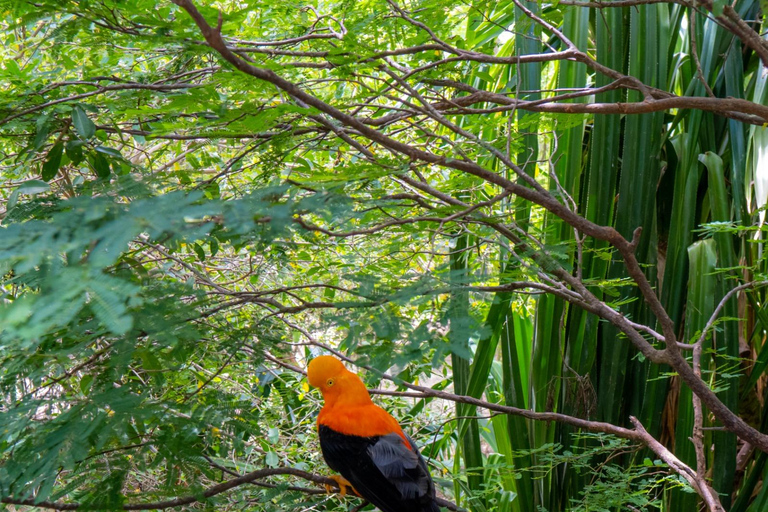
{"points": [[401, 464]]}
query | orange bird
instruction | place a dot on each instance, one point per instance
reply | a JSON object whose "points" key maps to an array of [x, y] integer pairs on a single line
{"points": [[366, 445]]}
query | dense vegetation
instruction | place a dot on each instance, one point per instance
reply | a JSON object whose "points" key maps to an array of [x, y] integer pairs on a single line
{"points": [[535, 228]]}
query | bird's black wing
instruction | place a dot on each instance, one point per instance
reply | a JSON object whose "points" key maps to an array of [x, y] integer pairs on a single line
{"points": [[383, 469], [404, 466]]}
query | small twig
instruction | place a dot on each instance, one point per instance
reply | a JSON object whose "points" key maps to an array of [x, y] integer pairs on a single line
{"points": [[721, 305], [101, 90], [72, 371], [700, 485], [695, 53], [697, 434]]}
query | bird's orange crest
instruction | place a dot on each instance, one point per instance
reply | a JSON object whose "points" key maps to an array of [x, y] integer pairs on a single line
{"points": [[322, 369], [337, 384]]}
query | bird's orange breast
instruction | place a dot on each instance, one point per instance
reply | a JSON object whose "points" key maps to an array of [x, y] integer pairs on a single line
{"points": [[368, 420]]}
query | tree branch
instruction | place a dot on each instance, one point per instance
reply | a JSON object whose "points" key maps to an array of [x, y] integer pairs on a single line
{"points": [[201, 497], [101, 89], [698, 483]]}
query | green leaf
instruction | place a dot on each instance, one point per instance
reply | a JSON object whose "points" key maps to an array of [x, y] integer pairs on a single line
{"points": [[30, 187], [52, 162], [74, 150], [199, 251], [42, 129], [107, 300], [108, 151], [85, 383], [82, 123], [100, 164]]}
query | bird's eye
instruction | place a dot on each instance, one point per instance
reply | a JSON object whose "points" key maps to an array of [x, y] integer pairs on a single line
{"points": [[329, 382]]}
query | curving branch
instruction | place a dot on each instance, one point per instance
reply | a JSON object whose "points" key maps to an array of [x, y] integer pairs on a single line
{"points": [[399, 222], [200, 497], [697, 479], [723, 302], [100, 89]]}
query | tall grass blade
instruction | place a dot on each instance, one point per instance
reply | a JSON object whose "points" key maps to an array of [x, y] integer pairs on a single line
{"points": [[459, 338]]}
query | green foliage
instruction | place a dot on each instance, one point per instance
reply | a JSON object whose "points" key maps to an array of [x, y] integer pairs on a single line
{"points": [[611, 486], [177, 237]]}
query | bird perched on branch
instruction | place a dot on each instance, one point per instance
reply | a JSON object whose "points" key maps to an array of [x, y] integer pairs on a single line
{"points": [[366, 445]]}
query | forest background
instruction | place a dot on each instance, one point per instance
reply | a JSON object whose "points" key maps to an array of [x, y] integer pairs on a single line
{"points": [[536, 229]]}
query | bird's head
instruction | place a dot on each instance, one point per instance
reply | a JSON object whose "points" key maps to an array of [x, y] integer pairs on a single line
{"points": [[335, 382]]}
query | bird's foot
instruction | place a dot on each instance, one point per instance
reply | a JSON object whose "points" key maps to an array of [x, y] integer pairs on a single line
{"points": [[343, 484]]}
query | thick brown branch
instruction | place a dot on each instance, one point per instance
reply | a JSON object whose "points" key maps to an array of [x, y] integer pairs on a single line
{"points": [[736, 108], [211, 491], [197, 498]]}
